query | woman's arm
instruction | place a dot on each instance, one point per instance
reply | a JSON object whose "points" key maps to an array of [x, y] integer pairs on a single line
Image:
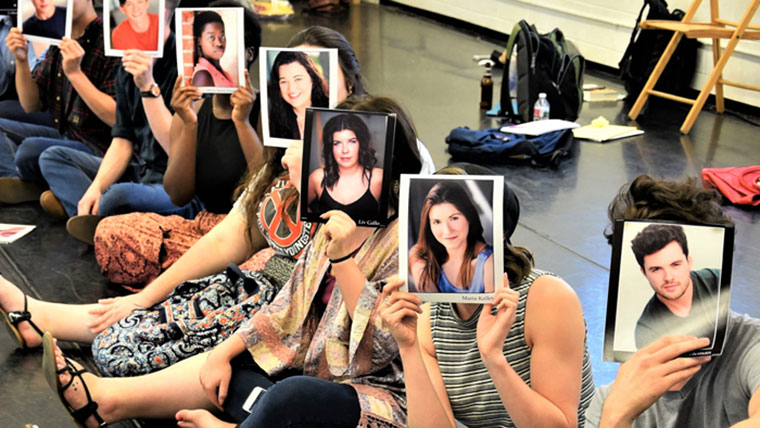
{"points": [[225, 243], [179, 178], [555, 330], [202, 78], [488, 274], [427, 401], [216, 372], [376, 185], [242, 101]]}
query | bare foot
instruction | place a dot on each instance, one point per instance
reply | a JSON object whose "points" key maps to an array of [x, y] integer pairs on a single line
{"points": [[75, 394], [199, 419], [11, 300]]}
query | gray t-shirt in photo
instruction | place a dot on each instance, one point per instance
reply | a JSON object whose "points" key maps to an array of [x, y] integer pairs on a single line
{"points": [[717, 396]]}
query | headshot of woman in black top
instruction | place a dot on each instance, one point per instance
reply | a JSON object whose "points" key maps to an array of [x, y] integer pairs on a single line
{"points": [[348, 180], [294, 84]]}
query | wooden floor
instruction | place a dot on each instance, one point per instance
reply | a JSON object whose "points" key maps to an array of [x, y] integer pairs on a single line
{"points": [[427, 66]]}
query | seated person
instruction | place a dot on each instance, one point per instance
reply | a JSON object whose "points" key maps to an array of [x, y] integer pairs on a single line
{"points": [[656, 387], [139, 30], [524, 354], [348, 180], [75, 83], [87, 187], [451, 239], [48, 20]]}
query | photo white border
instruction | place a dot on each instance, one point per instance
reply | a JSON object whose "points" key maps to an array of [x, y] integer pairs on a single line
{"points": [[240, 51], [120, 52], [263, 90], [25, 229], [31, 38], [498, 234]]}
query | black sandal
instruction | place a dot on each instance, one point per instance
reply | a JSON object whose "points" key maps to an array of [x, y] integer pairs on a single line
{"points": [[14, 318], [52, 373]]}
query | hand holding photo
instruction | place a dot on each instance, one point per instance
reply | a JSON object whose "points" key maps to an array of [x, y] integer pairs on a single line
{"points": [[214, 61], [447, 230], [45, 20], [674, 280], [134, 24], [344, 163], [292, 80]]}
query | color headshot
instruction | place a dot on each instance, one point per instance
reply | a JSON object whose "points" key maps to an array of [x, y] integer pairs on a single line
{"points": [[214, 60], [346, 156], [449, 235], [669, 283], [295, 80], [134, 24], [44, 19]]}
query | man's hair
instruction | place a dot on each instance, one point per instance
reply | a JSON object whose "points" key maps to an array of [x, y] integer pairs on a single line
{"points": [[649, 198], [655, 237]]}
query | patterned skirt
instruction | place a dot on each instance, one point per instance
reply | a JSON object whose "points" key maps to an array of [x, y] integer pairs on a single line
{"points": [[196, 317]]}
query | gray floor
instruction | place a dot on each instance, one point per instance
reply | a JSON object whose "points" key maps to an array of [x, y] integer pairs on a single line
{"points": [[427, 66]]}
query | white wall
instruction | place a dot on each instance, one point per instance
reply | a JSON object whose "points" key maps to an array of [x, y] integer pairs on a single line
{"points": [[601, 29]]}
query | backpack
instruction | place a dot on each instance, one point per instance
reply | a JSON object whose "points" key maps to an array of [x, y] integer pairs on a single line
{"points": [[545, 150], [645, 49], [545, 63]]}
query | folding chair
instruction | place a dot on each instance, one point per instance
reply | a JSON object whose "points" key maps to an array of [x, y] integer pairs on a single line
{"points": [[716, 29]]}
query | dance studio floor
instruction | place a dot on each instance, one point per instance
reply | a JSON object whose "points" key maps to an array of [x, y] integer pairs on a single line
{"points": [[427, 66]]}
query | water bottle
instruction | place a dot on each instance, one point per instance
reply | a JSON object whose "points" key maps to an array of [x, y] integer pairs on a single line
{"points": [[541, 108]]}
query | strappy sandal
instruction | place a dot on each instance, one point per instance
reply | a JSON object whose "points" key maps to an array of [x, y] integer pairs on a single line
{"points": [[14, 318], [51, 371]]}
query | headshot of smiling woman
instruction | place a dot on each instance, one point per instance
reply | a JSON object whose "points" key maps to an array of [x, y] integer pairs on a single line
{"points": [[348, 180], [210, 42], [451, 255], [294, 84]]}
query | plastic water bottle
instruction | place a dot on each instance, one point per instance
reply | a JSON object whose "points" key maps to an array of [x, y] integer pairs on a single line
{"points": [[541, 108]]}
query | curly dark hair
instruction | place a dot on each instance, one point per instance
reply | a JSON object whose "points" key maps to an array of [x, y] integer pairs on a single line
{"points": [[655, 237], [651, 198], [367, 155], [433, 253], [281, 114], [328, 38]]}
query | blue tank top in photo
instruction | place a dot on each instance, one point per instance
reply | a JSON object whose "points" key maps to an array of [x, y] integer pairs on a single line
{"points": [[477, 285]]}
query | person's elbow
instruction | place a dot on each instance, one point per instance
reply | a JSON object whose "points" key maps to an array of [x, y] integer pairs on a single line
{"points": [[29, 104]]}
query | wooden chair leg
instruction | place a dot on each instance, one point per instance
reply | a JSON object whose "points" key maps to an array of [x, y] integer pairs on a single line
{"points": [[719, 103], [655, 76]]}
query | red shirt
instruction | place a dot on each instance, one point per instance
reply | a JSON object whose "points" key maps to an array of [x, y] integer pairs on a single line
{"points": [[124, 37]]}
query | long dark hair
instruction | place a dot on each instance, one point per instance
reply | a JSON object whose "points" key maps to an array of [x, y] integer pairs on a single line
{"points": [[280, 112], [431, 252], [367, 157], [199, 23], [329, 38]]}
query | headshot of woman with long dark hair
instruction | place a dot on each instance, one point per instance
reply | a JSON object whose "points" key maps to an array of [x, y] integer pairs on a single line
{"points": [[294, 84], [348, 180], [451, 255], [210, 43]]}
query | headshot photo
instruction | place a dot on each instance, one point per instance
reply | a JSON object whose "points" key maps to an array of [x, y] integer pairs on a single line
{"points": [[449, 235], [45, 19], [671, 281], [293, 80], [346, 158], [216, 60], [134, 24]]}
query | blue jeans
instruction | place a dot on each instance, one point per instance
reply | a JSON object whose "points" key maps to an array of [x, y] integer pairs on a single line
{"points": [[296, 401], [69, 173], [12, 134]]}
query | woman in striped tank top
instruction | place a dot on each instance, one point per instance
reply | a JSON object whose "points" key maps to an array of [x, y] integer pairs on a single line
{"points": [[521, 360]]}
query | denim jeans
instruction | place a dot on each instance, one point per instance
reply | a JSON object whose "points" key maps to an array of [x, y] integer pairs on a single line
{"points": [[69, 173], [12, 134], [296, 401]]}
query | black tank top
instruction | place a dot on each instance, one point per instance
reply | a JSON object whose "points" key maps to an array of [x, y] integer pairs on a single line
{"points": [[219, 161], [365, 208]]}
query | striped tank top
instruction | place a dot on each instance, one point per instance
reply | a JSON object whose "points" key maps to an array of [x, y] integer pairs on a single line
{"points": [[473, 397]]}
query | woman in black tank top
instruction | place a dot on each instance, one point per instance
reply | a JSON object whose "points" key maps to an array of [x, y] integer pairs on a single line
{"points": [[348, 180]]}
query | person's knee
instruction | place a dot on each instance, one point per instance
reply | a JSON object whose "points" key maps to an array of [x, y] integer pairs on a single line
{"points": [[50, 156], [30, 150], [117, 199]]}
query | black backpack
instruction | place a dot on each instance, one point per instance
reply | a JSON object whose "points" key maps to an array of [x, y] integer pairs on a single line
{"points": [[545, 63], [645, 49]]}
